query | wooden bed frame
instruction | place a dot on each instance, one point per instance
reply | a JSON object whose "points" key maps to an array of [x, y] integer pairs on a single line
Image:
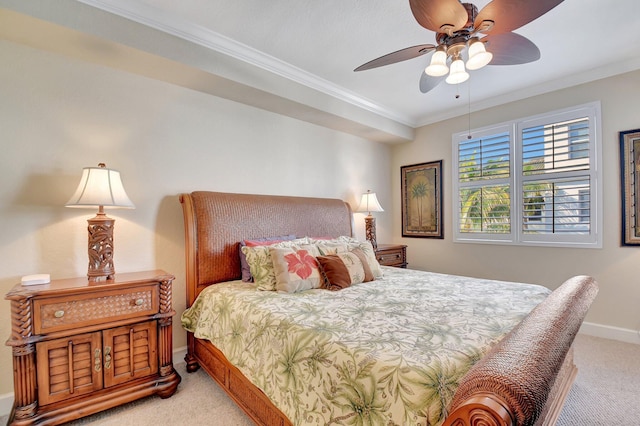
{"points": [[523, 380]]}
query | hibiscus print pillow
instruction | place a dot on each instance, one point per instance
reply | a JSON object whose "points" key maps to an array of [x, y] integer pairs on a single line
{"points": [[296, 268], [260, 264]]}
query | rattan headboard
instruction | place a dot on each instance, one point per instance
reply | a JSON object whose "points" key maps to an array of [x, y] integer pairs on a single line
{"points": [[216, 222]]}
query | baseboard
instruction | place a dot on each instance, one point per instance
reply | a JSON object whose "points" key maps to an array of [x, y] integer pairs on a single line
{"points": [[609, 332], [178, 354], [6, 403]]}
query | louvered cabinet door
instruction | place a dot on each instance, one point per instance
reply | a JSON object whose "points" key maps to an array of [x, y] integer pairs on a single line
{"points": [[69, 367], [130, 352]]}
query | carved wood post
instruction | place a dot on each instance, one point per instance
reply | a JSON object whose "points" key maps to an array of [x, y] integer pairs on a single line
{"points": [[24, 362], [165, 331]]}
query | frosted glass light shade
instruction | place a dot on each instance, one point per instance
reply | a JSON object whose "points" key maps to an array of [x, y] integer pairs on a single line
{"points": [[100, 186], [438, 66], [369, 203], [457, 73], [478, 55]]}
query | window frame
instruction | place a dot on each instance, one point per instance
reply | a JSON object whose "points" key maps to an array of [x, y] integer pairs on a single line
{"points": [[517, 180]]}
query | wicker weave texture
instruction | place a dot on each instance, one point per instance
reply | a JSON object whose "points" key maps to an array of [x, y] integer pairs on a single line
{"points": [[224, 219], [103, 307], [522, 368]]}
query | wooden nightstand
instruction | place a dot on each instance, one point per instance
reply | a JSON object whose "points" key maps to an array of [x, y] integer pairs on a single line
{"points": [[392, 255], [80, 347]]}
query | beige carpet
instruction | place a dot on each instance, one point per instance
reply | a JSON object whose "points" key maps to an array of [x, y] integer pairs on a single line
{"points": [[606, 392], [607, 389]]}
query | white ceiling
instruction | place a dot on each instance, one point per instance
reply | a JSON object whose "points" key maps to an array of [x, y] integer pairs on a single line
{"points": [[317, 44], [330, 38]]}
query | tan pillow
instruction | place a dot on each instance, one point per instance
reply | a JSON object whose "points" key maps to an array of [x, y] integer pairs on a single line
{"points": [[368, 273], [351, 243], [370, 256]]}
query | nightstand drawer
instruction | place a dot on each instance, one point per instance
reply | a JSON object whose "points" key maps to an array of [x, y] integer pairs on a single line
{"points": [[392, 255], [61, 313], [390, 258]]}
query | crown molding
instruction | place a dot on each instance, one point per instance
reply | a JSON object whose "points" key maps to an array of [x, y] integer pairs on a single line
{"points": [[160, 20], [565, 82]]}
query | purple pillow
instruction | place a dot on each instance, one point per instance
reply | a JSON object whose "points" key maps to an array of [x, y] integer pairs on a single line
{"points": [[265, 241]]}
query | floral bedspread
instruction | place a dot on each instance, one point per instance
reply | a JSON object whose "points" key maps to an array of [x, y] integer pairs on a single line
{"points": [[387, 352]]}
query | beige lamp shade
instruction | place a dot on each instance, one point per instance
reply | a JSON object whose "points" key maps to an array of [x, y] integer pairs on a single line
{"points": [[369, 203], [100, 186]]}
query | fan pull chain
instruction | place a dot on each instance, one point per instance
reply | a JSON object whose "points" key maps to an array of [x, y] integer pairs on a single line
{"points": [[469, 109], [468, 106]]}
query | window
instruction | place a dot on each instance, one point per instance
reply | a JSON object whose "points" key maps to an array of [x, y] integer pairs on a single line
{"points": [[533, 181]]}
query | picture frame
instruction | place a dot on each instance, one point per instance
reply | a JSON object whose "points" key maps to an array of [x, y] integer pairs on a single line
{"points": [[421, 191], [630, 182]]}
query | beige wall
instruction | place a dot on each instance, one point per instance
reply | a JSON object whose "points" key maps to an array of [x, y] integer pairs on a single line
{"points": [[615, 267], [58, 115]]}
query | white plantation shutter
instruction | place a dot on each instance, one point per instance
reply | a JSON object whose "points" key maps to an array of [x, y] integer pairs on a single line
{"points": [[484, 169], [553, 162], [556, 147], [557, 206], [484, 158]]}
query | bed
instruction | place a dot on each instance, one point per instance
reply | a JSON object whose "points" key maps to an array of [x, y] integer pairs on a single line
{"points": [[522, 378]]}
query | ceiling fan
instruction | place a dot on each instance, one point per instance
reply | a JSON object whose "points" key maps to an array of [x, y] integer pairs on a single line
{"points": [[458, 26]]}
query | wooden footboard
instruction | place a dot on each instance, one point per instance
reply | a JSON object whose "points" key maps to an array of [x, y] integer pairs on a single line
{"points": [[525, 378]]}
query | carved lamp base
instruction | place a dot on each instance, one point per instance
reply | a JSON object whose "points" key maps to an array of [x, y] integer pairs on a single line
{"points": [[370, 230], [100, 247]]}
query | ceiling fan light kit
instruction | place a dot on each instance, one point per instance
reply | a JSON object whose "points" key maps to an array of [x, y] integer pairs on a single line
{"points": [[478, 58], [457, 26]]}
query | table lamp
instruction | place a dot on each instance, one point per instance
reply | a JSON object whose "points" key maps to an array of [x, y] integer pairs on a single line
{"points": [[369, 203], [100, 187]]}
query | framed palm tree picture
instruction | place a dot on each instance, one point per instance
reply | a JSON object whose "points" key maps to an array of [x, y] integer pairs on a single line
{"points": [[630, 176], [421, 189]]}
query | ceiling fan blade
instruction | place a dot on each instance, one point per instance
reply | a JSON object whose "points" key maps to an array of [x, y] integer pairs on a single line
{"points": [[511, 49], [509, 15], [397, 56], [433, 14], [427, 82]]}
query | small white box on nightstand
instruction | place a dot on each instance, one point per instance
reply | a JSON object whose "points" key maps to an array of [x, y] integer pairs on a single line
{"points": [[36, 279]]}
